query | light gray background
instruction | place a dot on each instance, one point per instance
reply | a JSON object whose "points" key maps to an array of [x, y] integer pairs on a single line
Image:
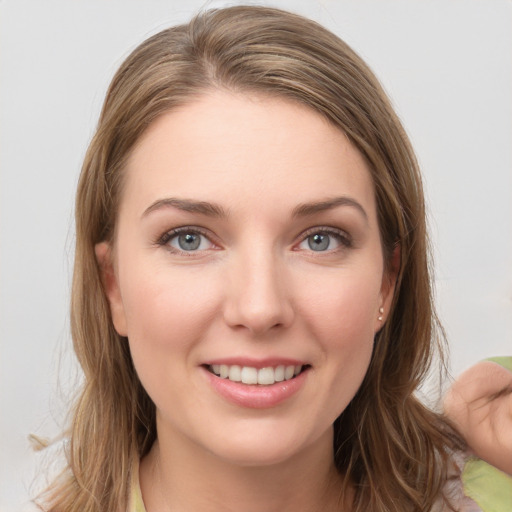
{"points": [[447, 66]]}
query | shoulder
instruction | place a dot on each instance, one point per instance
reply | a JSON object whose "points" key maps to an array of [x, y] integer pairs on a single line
{"points": [[487, 486], [475, 486], [454, 496]]}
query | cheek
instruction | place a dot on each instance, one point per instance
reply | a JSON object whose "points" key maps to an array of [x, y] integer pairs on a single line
{"points": [[168, 314], [167, 310], [342, 319], [343, 308]]}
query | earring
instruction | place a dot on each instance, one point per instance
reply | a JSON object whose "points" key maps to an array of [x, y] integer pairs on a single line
{"points": [[381, 311]]}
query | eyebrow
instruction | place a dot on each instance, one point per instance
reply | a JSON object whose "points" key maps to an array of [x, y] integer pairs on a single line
{"points": [[188, 205], [306, 209], [215, 210]]}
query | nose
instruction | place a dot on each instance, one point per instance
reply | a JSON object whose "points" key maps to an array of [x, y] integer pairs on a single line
{"points": [[258, 294]]}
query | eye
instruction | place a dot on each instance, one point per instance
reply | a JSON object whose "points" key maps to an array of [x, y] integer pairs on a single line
{"points": [[186, 240], [323, 240]]}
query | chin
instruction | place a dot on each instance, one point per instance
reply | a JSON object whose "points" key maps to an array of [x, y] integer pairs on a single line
{"points": [[256, 456], [267, 447]]}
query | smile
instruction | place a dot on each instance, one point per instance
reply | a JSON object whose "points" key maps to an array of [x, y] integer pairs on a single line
{"points": [[250, 375]]}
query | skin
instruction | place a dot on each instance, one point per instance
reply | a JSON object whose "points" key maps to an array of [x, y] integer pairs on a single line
{"points": [[484, 419], [254, 288]]}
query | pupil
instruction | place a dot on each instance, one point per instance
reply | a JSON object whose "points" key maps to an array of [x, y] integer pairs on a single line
{"points": [[318, 242], [189, 242]]}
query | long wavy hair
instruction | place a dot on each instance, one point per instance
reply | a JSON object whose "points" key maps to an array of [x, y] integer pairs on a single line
{"points": [[393, 448]]}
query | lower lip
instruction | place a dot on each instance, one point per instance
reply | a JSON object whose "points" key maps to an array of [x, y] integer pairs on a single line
{"points": [[256, 396]]}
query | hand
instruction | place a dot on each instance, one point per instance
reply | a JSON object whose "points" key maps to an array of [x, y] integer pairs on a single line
{"points": [[480, 405]]}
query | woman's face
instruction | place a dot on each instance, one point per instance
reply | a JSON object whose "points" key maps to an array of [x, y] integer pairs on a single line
{"points": [[247, 247]]}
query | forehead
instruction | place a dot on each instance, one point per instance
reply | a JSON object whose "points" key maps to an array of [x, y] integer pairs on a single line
{"points": [[231, 147]]}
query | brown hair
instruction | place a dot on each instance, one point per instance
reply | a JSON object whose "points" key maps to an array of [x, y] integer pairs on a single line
{"points": [[392, 447]]}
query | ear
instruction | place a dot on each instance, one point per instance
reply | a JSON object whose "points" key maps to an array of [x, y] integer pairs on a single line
{"points": [[109, 280], [387, 290]]}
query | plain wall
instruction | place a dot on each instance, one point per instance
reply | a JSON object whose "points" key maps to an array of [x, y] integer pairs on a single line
{"points": [[447, 65]]}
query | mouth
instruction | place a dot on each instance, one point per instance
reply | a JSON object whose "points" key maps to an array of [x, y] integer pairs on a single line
{"points": [[257, 376]]}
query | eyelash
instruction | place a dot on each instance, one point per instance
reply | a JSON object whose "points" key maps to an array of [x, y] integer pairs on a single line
{"points": [[342, 237], [173, 233]]}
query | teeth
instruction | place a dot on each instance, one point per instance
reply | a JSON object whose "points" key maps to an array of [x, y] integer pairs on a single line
{"points": [[249, 375], [266, 376], [279, 373], [224, 371], [235, 373], [288, 372]]}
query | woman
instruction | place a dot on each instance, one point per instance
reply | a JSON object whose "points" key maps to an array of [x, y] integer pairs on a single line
{"points": [[251, 303]]}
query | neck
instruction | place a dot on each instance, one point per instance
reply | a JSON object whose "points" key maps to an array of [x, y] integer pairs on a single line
{"points": [[175, 477]]}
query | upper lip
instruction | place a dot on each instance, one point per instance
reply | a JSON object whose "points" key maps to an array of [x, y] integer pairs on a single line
{"points": [[256, 363]]}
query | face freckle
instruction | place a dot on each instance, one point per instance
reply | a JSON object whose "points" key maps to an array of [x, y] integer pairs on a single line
{"points": [[247, 236]]}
